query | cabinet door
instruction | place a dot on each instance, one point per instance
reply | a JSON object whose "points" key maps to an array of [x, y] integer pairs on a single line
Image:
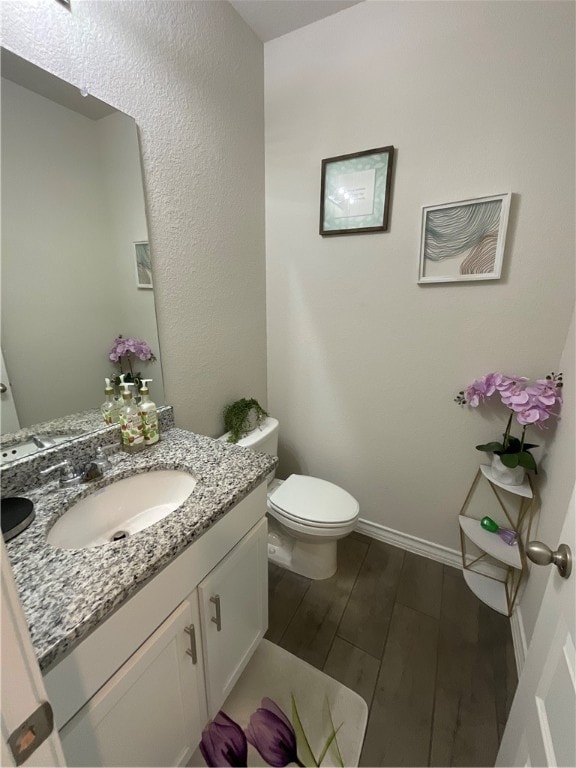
{"points": [[152, 711], [234, 612]]}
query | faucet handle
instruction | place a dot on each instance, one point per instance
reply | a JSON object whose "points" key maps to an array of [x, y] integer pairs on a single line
{"points": [[104, 450], [67, 475]]}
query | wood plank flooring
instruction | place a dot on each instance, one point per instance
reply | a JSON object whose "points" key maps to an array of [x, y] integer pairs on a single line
{"points": [[434, 664]]}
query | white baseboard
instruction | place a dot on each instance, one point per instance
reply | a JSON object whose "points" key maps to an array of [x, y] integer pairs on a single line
{"points": [[518, 638], [411, 543], [446, 556]]}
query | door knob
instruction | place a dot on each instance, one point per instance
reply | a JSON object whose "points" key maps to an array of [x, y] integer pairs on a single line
{"points": [[541, 554], [2, 388]]}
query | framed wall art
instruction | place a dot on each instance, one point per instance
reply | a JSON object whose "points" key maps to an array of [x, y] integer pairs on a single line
{"points": [[463, 241], [143, 265], [355, 192]]}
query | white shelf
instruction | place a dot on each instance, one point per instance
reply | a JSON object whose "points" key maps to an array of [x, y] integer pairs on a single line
{"points": [[523, 489], [491, 592], [490, 543]]}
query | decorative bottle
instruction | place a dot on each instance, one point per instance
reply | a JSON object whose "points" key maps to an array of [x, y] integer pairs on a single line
{"points": [[149, 415], [110, 408], [130, 423]]}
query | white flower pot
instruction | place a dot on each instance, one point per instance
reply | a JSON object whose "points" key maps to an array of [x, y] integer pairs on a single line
{"points": [[505, 474]]}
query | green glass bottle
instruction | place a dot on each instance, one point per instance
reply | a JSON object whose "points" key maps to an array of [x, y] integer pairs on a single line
{"points": [[489, 525]]}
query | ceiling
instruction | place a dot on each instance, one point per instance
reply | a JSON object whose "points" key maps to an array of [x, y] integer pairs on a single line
{"points": [[273, 18]]}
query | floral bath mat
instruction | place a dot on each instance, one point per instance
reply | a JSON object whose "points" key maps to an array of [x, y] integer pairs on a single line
{"points": [[283, 711]]}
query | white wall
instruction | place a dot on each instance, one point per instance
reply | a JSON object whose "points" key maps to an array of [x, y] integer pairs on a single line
{"points": [[190, 73], [58, 300], [477, 98]]}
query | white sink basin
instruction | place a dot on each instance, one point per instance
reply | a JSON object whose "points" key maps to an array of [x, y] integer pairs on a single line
{"points": [[125, 507]]}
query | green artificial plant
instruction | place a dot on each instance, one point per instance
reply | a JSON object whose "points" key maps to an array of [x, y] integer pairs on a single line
{"points": [[242, 417]]}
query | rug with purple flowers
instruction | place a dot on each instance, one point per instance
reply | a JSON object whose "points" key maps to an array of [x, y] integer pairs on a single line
{"points": [[283, 711]]}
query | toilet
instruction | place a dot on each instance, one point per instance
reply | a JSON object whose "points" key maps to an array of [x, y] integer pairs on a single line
{"points": [[306, 515]]}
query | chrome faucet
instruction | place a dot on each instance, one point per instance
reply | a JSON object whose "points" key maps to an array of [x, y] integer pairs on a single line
{"points": [[43, 441], [94, 470], [68, 475], [99, 465]]}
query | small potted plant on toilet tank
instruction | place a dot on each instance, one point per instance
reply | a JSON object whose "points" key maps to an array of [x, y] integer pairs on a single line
{"points": [[241, 417]]}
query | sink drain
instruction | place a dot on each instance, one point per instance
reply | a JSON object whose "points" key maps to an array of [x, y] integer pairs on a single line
{"points": [[119, 535]]}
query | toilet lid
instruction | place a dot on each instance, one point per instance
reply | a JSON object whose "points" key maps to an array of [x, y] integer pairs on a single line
{"points": [[312, 500]]}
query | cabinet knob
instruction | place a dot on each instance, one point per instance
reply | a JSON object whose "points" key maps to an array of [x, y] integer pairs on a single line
{"points": [[541, 554], [218, 618], [191, 632]]}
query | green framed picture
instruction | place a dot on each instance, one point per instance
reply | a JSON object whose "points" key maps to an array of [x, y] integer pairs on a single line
{"points": [[355, 192]]}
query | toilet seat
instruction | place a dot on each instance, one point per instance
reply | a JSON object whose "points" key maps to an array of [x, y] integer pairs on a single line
{"points": [[310, 501]]}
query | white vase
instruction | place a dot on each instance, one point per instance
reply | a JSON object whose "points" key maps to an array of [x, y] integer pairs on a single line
{"points": [[506, 475]]}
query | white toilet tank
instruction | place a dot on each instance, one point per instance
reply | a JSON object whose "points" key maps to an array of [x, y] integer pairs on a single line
{"points": [[263, 439]]}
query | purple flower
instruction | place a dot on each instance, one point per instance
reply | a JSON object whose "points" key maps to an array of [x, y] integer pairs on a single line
{"points": [[536, 402], [480, 390], [530, 403], [505, 383], [224, 743], [515, 395], [125, 347], [270, 731]]}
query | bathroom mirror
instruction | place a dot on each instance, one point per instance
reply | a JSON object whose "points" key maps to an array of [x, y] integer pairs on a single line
{"points": [[74, 231]]}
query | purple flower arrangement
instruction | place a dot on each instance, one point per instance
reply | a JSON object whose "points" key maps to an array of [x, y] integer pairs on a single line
{"points": [[531, 402], [123, 351], [270, 732]]}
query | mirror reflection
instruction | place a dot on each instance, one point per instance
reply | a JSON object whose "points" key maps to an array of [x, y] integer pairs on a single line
{"points": [[75, 258]]}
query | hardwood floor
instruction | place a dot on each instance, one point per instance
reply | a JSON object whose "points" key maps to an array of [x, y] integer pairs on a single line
{"points": [[434, 664]]}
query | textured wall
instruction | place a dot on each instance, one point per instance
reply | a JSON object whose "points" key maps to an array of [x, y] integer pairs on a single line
{"points": [[478, 99], [190, 73]]}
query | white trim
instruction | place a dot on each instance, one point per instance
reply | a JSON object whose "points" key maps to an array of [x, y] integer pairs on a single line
{"points": [[411, 543], [518, 638]]}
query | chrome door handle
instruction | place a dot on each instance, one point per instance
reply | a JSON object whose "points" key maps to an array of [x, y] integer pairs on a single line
{"points": [[2, 388], [541, 554], [218, 618], [191, 632]]}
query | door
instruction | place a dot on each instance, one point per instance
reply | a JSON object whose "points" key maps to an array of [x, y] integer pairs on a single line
{"points": [[152, 711], [9, 417], [541, 726], [234, 611], [22, 685]]}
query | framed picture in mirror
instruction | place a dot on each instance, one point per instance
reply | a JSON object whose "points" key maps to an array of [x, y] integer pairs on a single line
{"points": [[143, 265]]}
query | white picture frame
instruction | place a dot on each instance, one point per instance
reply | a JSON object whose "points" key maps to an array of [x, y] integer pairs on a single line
{"points": [[464, 241], [143, 265]]}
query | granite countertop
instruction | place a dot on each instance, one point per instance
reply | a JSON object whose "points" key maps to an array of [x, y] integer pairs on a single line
{"points": [[66, 593], [73, 425]]}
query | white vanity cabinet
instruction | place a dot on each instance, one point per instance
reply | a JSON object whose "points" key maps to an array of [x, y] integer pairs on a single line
{"points": [[152, 711], [150, 708], [234, 609]]}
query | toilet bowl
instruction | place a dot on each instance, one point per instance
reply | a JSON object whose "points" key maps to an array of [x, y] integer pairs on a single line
{"points": [[306, 515]]}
